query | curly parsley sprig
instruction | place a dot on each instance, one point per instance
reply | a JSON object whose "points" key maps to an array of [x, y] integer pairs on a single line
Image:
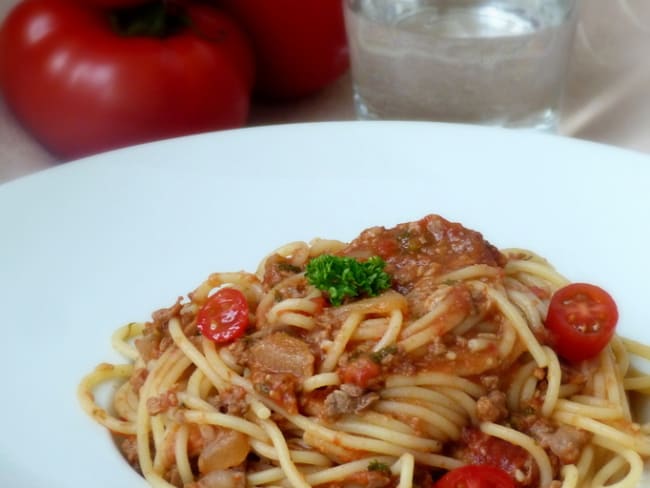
{"points": [[344, 277]]}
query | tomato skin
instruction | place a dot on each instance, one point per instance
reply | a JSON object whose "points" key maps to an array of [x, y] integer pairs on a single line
{"points": [[224, 317], [582, 319], [300, 46], [112, 3], [476, 476], [80, 88]]}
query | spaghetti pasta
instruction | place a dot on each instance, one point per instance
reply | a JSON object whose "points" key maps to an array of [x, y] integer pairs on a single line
{"points": [[451, 365]]}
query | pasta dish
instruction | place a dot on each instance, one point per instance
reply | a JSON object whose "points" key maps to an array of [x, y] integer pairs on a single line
{"points": [[413, 356]]}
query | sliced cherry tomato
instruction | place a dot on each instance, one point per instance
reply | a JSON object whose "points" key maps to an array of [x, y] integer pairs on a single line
{"points": [[582, 319], [360, 372], [476, 476], [224, 317]]}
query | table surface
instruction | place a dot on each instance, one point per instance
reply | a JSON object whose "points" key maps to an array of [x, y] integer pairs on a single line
{"points": [[607, 98]]}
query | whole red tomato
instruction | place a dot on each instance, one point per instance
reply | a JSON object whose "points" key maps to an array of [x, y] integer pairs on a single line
{"points": [[300, 45], [112, 3], [81, 88]]}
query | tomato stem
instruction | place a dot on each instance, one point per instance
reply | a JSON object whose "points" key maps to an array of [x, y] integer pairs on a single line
{"points": [[159, 18]]}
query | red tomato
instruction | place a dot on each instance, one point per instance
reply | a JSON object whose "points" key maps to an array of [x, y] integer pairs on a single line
{"points": [[300, 45], [582, 319], [224, 317], [476, 476], [80, 88], [360, 372], [113, 3]]}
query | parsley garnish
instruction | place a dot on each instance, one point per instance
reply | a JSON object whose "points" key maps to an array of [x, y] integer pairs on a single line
{"points": [[375, 465], [343, 277]]}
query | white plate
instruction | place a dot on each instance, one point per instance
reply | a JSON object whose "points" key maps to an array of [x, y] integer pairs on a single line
{"points": [[90, 245]]}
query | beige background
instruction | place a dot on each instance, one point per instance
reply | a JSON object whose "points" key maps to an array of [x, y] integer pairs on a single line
{"points": [[607, 100]]}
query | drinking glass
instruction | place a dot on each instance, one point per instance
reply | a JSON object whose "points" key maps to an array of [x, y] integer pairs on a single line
{"points": [[493, 62]]}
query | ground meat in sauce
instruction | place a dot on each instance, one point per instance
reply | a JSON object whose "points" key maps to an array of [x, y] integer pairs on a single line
{"points": [[427, 247], [492, 407], [348, 399], [563, 441]]}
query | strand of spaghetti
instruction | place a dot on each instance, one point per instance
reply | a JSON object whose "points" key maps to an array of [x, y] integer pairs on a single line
{"points": [[471, 272], [333, 451], [594, 412], [541, 269], [523, 331], [434, 326], [224, 420], [423, 323], [628, 441], [320, 380], [143, 421], [300, 307], [158, 433], [636, 348], [508, 340], [358, 426], [406, 470], [607, 471], [637, 383], [247, 283], [463, 399], [339, 473], [340, 341], [616, 390], [514, 393], [621, 355], [194, 355], [230, 360], [180, 451], [569, 476], [417, 393], [163, 457], [525, 442], [125, 402], [295, 477], [193, 386], [263, 478], [260, 410], [100, 374], [169, 372], [524, 300], [392, 331], [371, 329], [297, 320], [585, 463], [299, 457], [553, 380], [436, 379], [122, 335], [528, 390], [376, 418], [437, 422]]}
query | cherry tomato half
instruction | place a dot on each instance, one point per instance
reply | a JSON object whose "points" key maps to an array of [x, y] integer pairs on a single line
{"points": [[224, 317], [582, 319], [476, 476]]}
